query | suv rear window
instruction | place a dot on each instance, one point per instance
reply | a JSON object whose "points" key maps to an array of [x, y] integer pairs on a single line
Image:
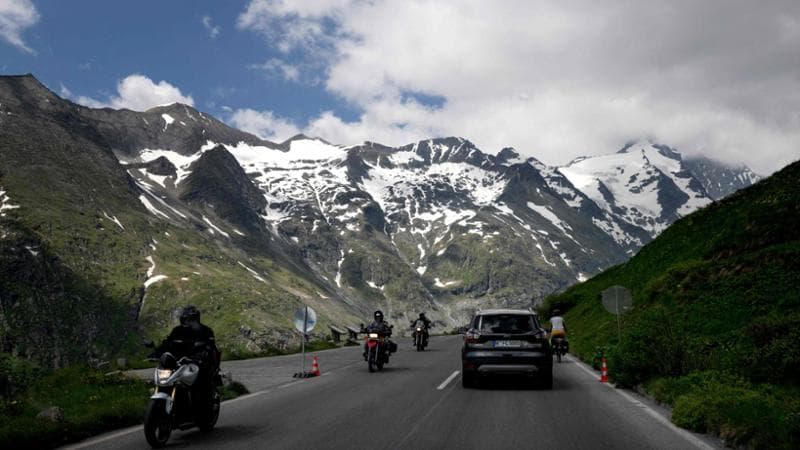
{"points": [[506, 323]]}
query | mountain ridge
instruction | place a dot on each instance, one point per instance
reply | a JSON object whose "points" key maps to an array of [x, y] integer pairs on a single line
{"points": [[249, 229]]}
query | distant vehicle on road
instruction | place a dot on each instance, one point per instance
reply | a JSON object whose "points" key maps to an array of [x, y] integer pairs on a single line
{"points": [[506, 341]]}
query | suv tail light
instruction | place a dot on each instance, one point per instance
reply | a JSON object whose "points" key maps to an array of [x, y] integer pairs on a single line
{"points": [[471, 337]]}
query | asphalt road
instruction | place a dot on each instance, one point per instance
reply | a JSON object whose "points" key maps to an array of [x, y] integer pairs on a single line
{"points": [[412, 405]]}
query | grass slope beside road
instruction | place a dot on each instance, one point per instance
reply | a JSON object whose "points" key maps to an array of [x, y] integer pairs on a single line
{"points": [[715, 326], [92, 402]]}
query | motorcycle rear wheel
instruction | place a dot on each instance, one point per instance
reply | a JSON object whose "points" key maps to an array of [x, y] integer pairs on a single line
{"points": [[157, 424], [558, 356], [209, 419]]}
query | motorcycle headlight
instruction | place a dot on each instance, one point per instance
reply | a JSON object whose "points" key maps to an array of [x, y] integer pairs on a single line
{"points": [[163, 374], [419, 329], [373, 335]]}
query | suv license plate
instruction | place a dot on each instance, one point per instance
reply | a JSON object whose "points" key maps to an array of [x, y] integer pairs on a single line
{"points": [[506, 344]]}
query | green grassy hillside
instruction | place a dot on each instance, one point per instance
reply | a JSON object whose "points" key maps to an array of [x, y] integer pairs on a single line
{"points": [[715, 324]]}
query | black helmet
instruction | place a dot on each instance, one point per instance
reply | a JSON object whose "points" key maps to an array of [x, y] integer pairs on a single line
{"points": [[378, 315], [421, 315], [190, 313], [556, 312]]}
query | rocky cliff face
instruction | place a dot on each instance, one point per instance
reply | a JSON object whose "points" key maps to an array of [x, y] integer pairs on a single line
{"points": [[166, 207]]}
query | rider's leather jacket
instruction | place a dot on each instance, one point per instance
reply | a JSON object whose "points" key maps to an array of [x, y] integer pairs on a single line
{"points": [[379, 327]]}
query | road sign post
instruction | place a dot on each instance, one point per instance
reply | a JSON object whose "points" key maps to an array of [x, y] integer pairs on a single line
{"points": [[305, 319], [617, 300]]}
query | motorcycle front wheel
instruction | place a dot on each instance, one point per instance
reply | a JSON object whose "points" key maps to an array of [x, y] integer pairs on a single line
{"points": [[371, 360], [157, 424]]}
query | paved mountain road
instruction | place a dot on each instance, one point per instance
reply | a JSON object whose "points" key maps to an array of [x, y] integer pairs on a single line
{"points": [[409, 405]]}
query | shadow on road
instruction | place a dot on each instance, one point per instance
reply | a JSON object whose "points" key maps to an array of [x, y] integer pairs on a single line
{"points": [[226, 434], [520, 383], [427, 350]]}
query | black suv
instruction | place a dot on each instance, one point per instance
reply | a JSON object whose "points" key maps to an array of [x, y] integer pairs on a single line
{"points": [[506, 341]]}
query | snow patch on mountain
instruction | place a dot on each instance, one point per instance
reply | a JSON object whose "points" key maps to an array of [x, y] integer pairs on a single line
{"points": [[545, 212], [215, 228], [113, 219], [255, 274], [155, 211], [167, 120], [151, 278], [5, 203], [181, 162], [438, 283], [155, 279], [159, 179]]}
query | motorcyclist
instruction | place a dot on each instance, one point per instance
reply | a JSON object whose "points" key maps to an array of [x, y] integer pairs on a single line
{"points": [[194, 340], [378, 325], [425, 323], [557, 325], [558, 328]]}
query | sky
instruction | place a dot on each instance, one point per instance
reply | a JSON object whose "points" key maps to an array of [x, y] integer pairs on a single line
{"points": [[554, 80]]}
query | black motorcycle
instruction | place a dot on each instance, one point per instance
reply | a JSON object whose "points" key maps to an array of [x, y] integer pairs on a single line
{"points": [[560, 346], [420, 336], [177, 403]]}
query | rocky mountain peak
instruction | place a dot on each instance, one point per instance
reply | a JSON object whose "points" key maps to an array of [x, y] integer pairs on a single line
{"points": [[199, 212]]}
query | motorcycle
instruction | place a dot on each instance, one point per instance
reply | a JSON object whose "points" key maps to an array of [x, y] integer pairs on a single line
{"points": [[420, 336], [560, 346], [172, 404], [377, 349]]}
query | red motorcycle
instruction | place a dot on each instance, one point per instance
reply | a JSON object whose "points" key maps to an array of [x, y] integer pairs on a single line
{"points": [[377, 348]]}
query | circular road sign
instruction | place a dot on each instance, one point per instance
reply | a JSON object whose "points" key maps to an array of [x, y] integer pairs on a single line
{"points": [[617, 300], [304, 319]]}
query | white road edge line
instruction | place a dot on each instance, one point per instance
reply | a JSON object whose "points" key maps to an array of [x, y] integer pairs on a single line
{"points": [[100, 439], [663, 420], [103, 439], [448, 380]]}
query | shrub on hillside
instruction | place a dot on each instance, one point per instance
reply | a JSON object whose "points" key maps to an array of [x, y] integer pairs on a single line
{"points": [[653, 345], [16, 375], [774, 355]]}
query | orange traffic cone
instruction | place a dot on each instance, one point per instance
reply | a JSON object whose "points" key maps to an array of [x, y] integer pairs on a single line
{"points": [[315, 368], [604, 372]]}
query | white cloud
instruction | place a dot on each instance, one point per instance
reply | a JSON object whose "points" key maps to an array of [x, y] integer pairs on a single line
{"points": [[275, 66], [138, 93], [291, 25], [213, 30], [15, 17], [263, 124], [553, 79]]}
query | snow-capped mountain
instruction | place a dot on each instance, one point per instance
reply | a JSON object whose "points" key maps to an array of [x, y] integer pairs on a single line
{"points": [[720, 180], [171, 206], [644, 184]]}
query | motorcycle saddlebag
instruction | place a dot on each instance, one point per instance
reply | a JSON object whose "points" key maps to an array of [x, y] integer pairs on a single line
{"points": [[392, 347]]}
